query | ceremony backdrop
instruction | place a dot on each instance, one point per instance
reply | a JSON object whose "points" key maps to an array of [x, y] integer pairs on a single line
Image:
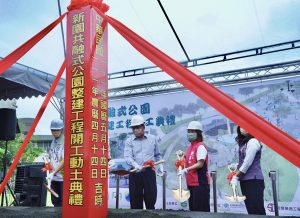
{"points": [[167, 116]]}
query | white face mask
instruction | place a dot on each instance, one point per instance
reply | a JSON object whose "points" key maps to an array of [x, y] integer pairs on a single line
{"points": [[243, 132], [192, 136]]}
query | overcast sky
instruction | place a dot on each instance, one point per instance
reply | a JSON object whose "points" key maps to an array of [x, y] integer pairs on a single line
{"points": [[205, 27]]}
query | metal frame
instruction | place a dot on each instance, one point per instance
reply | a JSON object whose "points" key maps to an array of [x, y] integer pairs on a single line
{"points": [[273, 71], [213, 59]]}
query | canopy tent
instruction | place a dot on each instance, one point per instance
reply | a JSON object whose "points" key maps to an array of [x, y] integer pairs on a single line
{"points": [[20, 81]]}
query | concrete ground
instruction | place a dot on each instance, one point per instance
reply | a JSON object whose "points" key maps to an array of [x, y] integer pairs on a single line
{"points": [[51, 212]]}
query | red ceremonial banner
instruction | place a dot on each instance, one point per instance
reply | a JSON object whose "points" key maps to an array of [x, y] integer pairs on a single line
{"points": [[86, 139], [264, 131]]}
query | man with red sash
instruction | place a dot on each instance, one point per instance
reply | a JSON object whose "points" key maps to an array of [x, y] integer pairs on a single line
{"points": [[195, 171]]}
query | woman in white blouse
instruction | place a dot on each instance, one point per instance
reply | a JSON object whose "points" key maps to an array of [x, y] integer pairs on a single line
{"points": [[249, 172]]}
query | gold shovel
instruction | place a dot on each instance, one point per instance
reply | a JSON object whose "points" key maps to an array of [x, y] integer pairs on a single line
{"points": [[48, 185], [180, 194], [235, 198]]}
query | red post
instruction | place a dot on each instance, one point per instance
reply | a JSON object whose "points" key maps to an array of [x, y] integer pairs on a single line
{"points": [[86, 139]]}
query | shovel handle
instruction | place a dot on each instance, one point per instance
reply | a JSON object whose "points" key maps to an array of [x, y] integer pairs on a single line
{"points": [[180, 157], [234, 192], [51, 191], [180, 181], [180, 185], [155, 163], [48, 185]]}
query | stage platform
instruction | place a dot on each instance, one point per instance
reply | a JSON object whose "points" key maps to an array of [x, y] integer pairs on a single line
{"points": [[45, 212]]}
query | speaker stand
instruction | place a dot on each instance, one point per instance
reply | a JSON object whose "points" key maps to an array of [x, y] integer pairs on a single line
{"points": [[4, 194]]}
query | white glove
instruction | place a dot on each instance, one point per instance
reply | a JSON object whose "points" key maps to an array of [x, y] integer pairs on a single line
{"points": [[160, 171], [234, 181], [182, 172], [50, 176]]}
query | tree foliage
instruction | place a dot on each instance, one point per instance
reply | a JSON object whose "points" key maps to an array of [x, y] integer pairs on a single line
{"points": [[31, 152]]}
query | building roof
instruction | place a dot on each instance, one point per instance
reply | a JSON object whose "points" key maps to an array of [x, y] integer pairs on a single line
{"points": [[21, 81]]}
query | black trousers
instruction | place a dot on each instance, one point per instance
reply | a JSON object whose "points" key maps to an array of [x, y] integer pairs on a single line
{"points": [[254, 191], [58, 188], [142, 187], [199, 199]]}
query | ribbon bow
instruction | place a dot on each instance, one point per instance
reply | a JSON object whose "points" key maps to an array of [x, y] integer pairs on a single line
{"points": [[179, 163], [230, 175], [76, 4], [48, 167], [149, 163]]}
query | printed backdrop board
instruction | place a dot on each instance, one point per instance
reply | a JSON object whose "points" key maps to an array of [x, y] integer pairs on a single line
{"points": [[167, 117]]}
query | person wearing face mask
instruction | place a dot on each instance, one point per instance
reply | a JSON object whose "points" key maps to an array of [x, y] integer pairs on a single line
{"points": [[195, 171], [141, 148], [56, 158], [249, 172]]}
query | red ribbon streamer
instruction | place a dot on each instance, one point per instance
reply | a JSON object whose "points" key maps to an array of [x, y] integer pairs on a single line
{"points": [[33, 126], [276, 139], [48, 167], [13, 57], [230, 175], [179, 163]]}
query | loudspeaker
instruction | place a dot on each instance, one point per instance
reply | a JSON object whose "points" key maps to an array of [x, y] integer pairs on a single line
{"points": [[29, 185], [8, 124]]}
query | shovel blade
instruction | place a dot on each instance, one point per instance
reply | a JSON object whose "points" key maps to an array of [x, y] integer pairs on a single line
{"points": [[234, 199], [181, 196], [230, 198], [240, 198]]}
